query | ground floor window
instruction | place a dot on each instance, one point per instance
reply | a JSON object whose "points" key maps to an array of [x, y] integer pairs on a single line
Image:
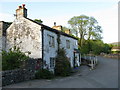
{"points": [[52, 62]]}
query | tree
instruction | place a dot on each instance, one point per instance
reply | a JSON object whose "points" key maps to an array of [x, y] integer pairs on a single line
{"points": [[93, 29], [86, 28], [62, 64], [38, 20], [79, 24]]}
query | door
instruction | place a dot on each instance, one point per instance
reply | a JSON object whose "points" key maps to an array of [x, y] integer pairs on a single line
{"points": [[76, 61]]}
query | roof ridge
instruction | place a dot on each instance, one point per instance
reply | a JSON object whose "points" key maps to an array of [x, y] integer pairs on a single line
{"points": [[51, 29]]}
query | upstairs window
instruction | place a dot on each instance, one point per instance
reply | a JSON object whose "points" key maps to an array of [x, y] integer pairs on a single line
{"points": [[67, 44], [51, 41]]}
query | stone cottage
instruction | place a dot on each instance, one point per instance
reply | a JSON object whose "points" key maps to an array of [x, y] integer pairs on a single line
{"points": [[40, 40]]}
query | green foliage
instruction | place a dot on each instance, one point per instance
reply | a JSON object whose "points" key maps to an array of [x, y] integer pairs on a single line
{"points": [[38, 20], [64, 28], [44, 74], [85, 49], [107, 48], [13, 59], [62, 66], [86, 27], [95, 47]]}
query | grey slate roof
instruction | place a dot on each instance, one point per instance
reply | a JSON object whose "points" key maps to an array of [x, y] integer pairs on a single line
{"points": [[51, 29]]}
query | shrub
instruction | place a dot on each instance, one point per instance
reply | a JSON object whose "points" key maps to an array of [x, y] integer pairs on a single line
{"points": [[62, 65], [13, 59], [44, 74]]}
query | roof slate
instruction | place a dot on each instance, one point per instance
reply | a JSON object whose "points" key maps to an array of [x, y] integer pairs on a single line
{"points": [[51, 29]]}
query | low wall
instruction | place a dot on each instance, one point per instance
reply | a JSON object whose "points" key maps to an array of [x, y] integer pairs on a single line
{"points": [[19, 75]]}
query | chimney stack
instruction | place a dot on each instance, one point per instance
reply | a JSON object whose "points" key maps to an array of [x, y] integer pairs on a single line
{"points": [[21, 11], [68, 31]]}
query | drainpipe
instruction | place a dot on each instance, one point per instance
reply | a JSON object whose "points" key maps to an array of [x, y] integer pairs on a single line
{"points": [[42, 30]]}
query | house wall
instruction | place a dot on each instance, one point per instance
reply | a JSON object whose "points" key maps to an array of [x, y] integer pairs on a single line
{"points": [[70, 51], [52, 51], [3, 28], [49, 51], [27, 35]]}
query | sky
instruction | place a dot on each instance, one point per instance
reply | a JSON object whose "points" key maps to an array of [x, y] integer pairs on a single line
{"points": [[60, 11]]}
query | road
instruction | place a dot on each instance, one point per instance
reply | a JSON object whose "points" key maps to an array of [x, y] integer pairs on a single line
{"points": [[104, 76]]}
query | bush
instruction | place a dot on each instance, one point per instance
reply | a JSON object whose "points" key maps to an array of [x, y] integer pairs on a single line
{"points": [[44, 74], [62, 65], [13, 59]]}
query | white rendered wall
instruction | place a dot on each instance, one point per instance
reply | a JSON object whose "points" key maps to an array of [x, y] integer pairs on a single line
{"points": [[49, 51], [27, 35]]}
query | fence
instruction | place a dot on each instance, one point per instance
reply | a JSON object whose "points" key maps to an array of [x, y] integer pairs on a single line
{"points": [[92, 60]]}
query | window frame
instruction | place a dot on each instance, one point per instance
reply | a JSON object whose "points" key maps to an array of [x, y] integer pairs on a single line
{"points": [[68, 44], [51, 41], [52, 62]]}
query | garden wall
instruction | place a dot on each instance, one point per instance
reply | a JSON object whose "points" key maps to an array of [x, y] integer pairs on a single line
{"points": [[19, 75]]}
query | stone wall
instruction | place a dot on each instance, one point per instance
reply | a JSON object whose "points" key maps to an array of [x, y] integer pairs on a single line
{"points": [[26, 35], [19, 75]]}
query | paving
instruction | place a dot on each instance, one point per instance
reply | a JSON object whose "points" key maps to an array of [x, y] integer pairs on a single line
{"points": [[105, 75]]}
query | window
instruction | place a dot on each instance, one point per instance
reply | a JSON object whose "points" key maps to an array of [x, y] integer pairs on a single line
{"points": [[52, 62], [51, 41], [67, 44]]}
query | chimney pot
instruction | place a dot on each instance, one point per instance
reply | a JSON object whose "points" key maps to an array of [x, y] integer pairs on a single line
{"points": [[54, 23], [20, 7], [23, 5]]}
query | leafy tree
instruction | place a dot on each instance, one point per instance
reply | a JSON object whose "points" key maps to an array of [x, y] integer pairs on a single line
{"points": [[107, 48], [79, 24], [86, 28], [97, 46], [85, 48], [93, 30], [38, 20]]}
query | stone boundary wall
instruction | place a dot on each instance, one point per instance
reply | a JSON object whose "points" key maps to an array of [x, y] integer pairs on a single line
{"points": [[112, 56], [20, 75]]}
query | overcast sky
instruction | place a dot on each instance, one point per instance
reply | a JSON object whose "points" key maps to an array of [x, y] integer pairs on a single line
{"points": [[60, 11]]}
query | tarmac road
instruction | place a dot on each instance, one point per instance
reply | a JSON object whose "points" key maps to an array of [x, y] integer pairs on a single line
{"points": [[104, 76]]}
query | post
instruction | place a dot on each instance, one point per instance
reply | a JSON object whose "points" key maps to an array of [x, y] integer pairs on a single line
{"points": [[92, 64], [96, 59]]}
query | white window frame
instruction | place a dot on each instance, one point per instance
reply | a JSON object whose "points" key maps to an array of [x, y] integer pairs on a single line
{"points": [[52, 62], [68, 44], [51, 41]]}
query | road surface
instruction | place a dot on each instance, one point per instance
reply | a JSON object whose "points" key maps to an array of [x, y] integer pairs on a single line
{"points": [[104, 76]]}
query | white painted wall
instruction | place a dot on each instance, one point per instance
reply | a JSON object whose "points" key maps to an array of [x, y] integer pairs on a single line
{"points": [[27, 35], [49, 51], [73, 45]]}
